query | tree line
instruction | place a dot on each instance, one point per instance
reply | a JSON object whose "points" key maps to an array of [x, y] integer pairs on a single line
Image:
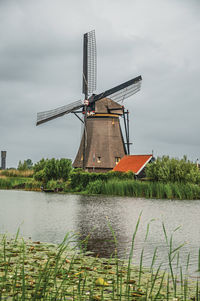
{"points": [[163, 169]]}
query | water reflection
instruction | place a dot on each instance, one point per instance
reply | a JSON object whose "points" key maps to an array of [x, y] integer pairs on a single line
{"points": [[101, 220]]}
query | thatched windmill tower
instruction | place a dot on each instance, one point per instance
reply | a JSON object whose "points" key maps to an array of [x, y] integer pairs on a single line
{"points": [[102, 144]]}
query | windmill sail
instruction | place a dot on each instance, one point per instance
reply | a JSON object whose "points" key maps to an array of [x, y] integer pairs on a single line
{"points": [[122, 91], [89, 75], [125, 92], [89, 63], [45, 116], [102, 144]]}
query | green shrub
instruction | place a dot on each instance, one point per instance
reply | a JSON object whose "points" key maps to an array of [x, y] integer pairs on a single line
{"points": [[52, 184], [39, 165], [33, 185], [15, 183], [26, 165], [95, 187], [55, 184], [80, 180], [5, 183], [64, 168], [173, 170], [40, 175], [52, 169]]}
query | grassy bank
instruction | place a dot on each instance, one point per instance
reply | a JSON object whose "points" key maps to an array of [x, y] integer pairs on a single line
{"points": [[18, 179], [38, 271], [107, 184], [145, 189], [16, 173], [19, 183]]}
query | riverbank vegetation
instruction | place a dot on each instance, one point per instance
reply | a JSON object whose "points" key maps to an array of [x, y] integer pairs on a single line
{"points": [[145, 189], [16, 173], [173, 170], [40, 271], [165, 178], [17, 183]]}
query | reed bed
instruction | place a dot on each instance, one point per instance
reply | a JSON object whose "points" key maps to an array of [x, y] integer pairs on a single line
{"points": [[39, 271], [145, 189], [19, 183], [17, 173]]}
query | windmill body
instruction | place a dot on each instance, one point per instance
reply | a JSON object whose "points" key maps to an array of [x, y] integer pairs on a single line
{"points": [[104, 140], [102, 144]]}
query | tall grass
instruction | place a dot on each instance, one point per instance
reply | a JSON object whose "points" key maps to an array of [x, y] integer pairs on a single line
{"points": [[19, 183], [37, 271], [145, 189], [17, 173]]}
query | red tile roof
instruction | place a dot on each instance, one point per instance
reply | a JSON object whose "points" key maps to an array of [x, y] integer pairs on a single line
{"points": [[134, 163]]}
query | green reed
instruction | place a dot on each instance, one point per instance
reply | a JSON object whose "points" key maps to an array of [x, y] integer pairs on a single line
{"points": [[36, 271], [146, 189], [18, 183]]}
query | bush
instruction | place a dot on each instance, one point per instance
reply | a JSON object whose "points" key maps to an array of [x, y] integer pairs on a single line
{"points": [[5, 184], [40, 176], [33, 185], [14, 183], [95, 187], [39, 165], [58, 185], [64, 169], [52, 169], [173, 170], [80, 180], [27, 164]]}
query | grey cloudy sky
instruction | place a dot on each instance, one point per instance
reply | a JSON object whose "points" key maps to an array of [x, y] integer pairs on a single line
{"points": [[41, 67]]}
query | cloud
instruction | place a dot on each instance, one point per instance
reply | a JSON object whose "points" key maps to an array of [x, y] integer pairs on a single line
{"points": [[41, 67]]}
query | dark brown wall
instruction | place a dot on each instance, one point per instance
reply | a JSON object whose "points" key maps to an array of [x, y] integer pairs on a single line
{"points": [[99, 169], [104, 139]]}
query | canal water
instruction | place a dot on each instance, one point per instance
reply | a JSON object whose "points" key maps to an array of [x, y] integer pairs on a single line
{"points": [[48, 217]]}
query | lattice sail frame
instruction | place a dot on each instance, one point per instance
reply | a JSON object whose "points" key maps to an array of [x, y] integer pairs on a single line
{"points": [[89, 63], [52, 114], [118, 93], [126, 92], [122, 91]]}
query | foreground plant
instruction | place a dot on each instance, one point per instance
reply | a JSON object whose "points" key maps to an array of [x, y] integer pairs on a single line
{"points": [[38, 271]]}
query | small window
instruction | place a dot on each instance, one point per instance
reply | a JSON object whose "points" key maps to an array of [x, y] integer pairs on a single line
{"points": [[98, 159], [117, 159], [82, 158]]}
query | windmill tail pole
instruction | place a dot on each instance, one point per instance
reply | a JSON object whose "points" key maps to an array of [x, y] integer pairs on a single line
{"points": [[86, 103], [128, 141], [124, 117]]}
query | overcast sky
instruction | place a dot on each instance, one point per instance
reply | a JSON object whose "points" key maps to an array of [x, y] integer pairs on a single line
{"points": [[41, 68]]}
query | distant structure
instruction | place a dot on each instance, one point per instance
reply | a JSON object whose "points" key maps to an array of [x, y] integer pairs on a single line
{"points": [[197, 162], [3, 159]]}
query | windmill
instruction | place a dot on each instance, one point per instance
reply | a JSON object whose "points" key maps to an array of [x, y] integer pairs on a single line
{"points": [[102, 144]]}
